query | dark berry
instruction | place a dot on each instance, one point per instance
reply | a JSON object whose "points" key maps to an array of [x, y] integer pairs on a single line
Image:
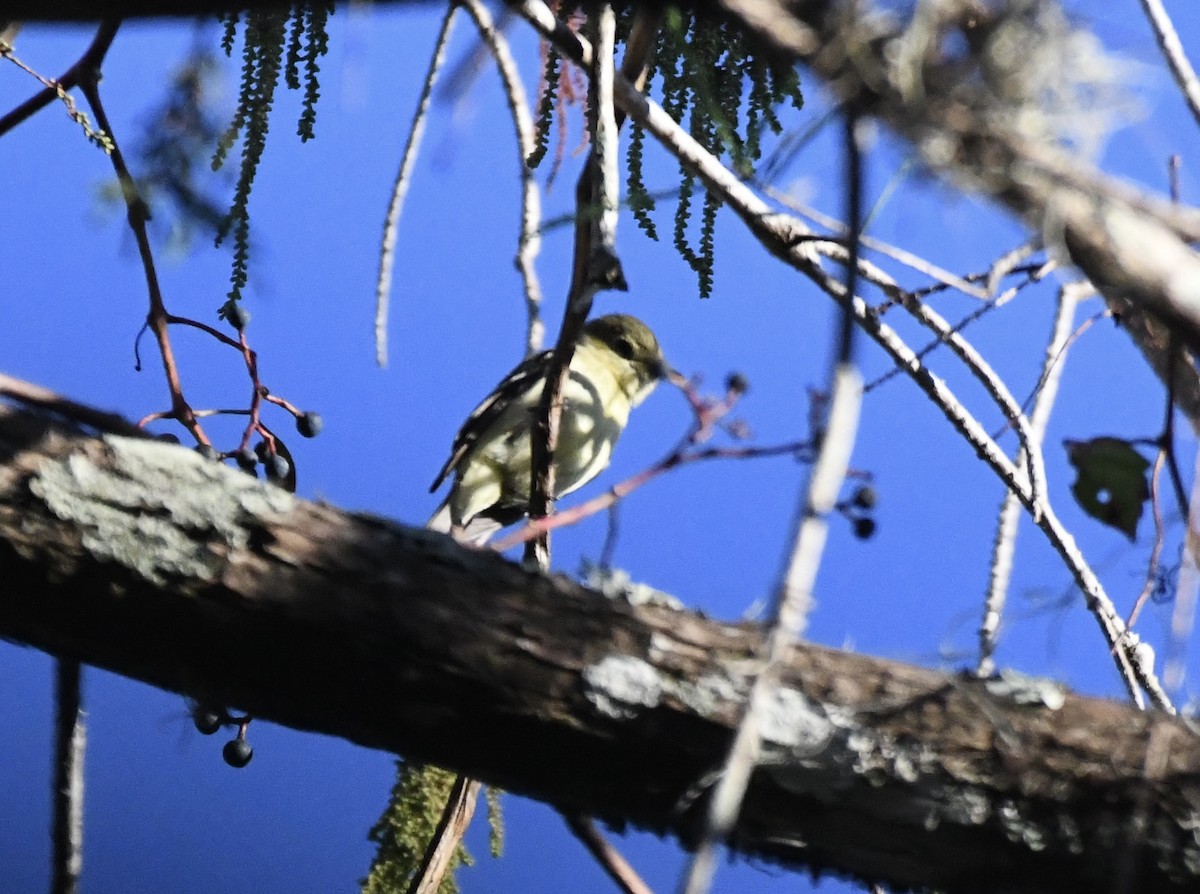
{"points": [[169, 438], [737, 383], [246, 459], [865, 497], [237, 753], [277, 467], [309, 424], [208, 451], [263, 451], [864, 528], [237, 315], [207, 720]]}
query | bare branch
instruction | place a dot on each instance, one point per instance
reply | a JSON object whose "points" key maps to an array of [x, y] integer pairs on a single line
{"points": [[391, 221], [794, 594], [1187, 590], [606, 189], [456, 817], [1007, 262], [138, 213], [1172, 49], [595, 268], [1004, 545], [615, 494], [70, 744], [85, 67], [43, 398], [907, 258], [529, 243], [606, 855], [996, 388]]}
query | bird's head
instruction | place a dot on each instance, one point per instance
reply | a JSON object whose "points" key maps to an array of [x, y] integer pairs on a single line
{"points": [[631, 340]]}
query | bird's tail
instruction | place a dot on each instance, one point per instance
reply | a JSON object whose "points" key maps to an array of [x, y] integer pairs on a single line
{"points": [[440, 520], [476, 532]]}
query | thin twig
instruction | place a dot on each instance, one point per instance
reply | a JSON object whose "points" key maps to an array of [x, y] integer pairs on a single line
{"points": [[206, 329], [258, 391], [1184, 614], [706, 416], [618, 492], [978, 366], [70, 743], [460, 805], [1132, 669], [794, 603], [1187, 590], [1033, 275], [85, 67], [609, 858], [138, 214], [907, 258], [1151, 583], [36, 396], [607, 188], [391, 222], [1172, 49], [529, 242], [1167, 439], [611, 536], [1085, 290], [1165, 444], [1008, 262], [595, 267], [793, 600], [98, 137], [1031, 455], [1005, 542], [456, 816], [158, 319], [593, 270]]}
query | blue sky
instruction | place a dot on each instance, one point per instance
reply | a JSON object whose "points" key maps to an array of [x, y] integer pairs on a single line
{"points": [[161, 805]]}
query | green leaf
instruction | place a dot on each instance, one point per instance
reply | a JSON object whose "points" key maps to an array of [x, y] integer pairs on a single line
{"points": [[1111, 484]]}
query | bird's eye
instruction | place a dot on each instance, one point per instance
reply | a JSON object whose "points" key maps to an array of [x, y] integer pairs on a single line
{"points": [[624, 348]]}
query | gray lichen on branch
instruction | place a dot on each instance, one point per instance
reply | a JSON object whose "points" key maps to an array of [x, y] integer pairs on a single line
{"points": [[158, 510]]}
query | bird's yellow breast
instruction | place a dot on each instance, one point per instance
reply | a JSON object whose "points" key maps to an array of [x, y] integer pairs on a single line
{"points": [[595, 410]]}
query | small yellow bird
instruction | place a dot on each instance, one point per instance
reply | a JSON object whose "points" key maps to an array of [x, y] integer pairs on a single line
{"points": [[616, 364]]}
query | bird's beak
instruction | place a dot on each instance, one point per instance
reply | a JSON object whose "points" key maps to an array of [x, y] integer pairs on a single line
{"points": [[672, 375], [657, 369]]}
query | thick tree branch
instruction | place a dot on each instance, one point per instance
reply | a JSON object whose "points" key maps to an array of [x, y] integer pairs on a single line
{"points": [[145, 559]]}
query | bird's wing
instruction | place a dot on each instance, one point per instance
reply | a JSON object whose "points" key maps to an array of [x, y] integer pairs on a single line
{"points": [[526, 374]]}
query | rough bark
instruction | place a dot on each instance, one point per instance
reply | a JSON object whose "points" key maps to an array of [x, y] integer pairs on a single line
{"points": [[143, 558]]}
